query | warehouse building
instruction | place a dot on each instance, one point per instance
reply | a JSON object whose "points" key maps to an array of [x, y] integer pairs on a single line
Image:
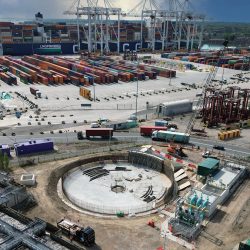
{"points": [[175, 108]]}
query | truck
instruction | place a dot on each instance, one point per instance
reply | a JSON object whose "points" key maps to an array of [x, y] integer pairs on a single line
{"points": [[85, 236], [162, 135], [105, 133], [147, 130], [35, 92]]}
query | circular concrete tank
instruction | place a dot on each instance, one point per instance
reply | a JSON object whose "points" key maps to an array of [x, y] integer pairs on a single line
{"points": [[133, 186]]}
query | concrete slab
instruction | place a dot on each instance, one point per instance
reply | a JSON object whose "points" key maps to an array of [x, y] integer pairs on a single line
{"points": [[180, 177], [184, 185], [179, 172], [99, 196]]}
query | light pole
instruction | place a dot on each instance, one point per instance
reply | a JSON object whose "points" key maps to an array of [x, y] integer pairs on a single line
{"points": [[109, 139], [137, 89], [67, 137], [94, 90], [16, 152]]}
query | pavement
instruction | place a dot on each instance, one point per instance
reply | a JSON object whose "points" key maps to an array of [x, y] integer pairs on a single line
{"points": [[71, 137]]}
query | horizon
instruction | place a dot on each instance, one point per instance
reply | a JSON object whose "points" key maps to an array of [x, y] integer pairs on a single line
{"points": [[214, 10]]}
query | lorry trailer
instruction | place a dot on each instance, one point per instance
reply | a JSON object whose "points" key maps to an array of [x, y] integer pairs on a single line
{"points": [[148, 130], [86, 235], [35, 92], [162, 135], [105, 133]]}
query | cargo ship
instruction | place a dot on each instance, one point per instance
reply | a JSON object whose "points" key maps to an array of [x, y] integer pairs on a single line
{"points": [[61, 38]]}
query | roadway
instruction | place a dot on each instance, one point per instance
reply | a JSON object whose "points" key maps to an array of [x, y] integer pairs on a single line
{"points": [[71, 137]]}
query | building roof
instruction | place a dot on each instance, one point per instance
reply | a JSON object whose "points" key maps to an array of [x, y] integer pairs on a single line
{"points": [[185, 101], [209, 163], [226, 175]]}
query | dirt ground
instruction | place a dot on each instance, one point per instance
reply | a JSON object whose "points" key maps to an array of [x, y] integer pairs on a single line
{"points": [[229, 226], [111, 234]]}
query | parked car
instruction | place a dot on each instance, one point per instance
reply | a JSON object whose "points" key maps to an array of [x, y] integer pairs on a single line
{"points": [[103, 120], [206, 154], [95, 125], [218, 147]]}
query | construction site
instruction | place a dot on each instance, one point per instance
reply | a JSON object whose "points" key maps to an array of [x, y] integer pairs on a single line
{"points": [[126, 143]]}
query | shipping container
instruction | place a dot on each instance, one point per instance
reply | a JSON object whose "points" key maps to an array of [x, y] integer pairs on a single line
{"points": [[5, 149], [33, 146], [147, 130], [105, 133], [170, 136]]}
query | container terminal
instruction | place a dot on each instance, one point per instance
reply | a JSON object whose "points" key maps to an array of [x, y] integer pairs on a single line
{"points": [[123, 131]]}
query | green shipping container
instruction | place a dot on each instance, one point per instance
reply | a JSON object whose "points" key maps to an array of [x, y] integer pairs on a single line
{"points": [[232, 62], [170, 136], [132, 124]]}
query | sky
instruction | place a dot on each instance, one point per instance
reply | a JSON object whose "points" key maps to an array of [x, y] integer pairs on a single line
{"points": [[215, 10]]}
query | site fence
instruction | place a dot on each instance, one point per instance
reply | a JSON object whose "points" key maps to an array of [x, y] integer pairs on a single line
{"points": [[32, 160]]}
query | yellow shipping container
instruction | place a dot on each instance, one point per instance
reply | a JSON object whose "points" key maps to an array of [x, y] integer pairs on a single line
{"points": [[86, 93], [231, 134]]}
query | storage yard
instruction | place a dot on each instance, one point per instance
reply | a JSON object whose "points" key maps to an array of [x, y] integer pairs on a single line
{"points": [[122, 135], [121, 97]]}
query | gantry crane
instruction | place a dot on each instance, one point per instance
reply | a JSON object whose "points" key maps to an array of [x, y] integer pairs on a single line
{"points": [[167, 25], [207, 82]]}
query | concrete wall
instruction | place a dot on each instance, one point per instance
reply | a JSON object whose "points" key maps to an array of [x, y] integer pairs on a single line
{"points": [[169, 172]]}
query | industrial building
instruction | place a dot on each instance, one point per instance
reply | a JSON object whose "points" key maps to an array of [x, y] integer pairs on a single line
{"points": [[175, 108], [202, 203], [20, 232], [208, 167], [12, 194]]}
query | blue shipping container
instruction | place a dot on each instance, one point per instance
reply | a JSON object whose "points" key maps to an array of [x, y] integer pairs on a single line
{"points": [[5, 149], [160, 123], [33, 146]]}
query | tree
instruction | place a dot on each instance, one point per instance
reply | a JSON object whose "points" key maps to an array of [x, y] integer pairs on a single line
{"points": [[4, 161], [1, 160]]}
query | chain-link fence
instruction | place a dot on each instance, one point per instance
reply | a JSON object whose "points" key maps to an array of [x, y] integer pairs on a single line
{"points": [[32, 160]]}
